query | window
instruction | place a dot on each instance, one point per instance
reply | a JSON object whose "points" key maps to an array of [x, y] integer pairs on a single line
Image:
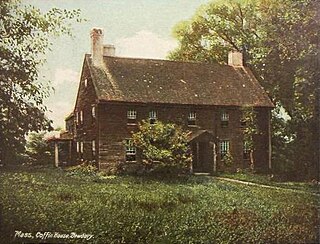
{"points": [[192, 118], [81, 147], [81, 116], [93, 111], [246, 150], [78, 147], [85, 82], [152, 116], [131, 116], [224, 119], [93, 147], [130, 151], [224, 148], [77, 118]]}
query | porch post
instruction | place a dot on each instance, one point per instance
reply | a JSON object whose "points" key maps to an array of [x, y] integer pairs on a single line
{"points": [[214, 158], [56, 154]]}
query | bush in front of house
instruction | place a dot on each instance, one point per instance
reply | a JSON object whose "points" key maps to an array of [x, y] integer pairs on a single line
{"points": [[164, 147]]}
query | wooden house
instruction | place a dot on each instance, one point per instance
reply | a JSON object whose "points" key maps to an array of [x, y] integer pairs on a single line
{"points": [[115, 93]]}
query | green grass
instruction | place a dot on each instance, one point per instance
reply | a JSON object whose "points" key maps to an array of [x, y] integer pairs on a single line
{"points": [[273, 181], [126, 209]]}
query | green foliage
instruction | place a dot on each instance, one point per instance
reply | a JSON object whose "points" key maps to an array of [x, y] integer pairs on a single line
{"points": [[38, 149], [84, 169], [228, 160], [121, 209], [163, 147], [250, 129], [280, 43], [25, 37]]}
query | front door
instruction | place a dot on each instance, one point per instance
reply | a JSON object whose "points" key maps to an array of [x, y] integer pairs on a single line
{"points": [[202, 160]]}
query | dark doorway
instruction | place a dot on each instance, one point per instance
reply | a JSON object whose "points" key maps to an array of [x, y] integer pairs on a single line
{"points": [[203, 152]]}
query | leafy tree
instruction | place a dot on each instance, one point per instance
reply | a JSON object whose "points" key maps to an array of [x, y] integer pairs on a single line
{"points": [[25, 37], [38, 149], [280, 42], [249, 119], [163, 147]]}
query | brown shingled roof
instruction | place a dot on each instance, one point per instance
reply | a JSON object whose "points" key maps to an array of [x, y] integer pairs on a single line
{"points": [[163, 81]]}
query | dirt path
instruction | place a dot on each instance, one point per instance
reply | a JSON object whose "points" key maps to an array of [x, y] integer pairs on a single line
{"points": [[265, 186]]}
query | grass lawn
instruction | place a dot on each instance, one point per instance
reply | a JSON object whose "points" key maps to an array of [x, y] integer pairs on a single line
{"points": [[124, 209], [273, 181]]}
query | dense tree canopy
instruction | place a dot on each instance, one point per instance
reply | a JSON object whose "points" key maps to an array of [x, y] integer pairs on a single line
{"points": [[280, 43], [25, 37]]}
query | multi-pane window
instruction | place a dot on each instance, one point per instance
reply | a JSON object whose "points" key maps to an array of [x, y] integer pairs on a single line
{"points": [[192, 118], [131, 116], [93, 111], [78, 146], [246, 150], [81, 147], [224, 148], [80, 117], [224, 119], [152, 116], [130, 151], [93, 145]]}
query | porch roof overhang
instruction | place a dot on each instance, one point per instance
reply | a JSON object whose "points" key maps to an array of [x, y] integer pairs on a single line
{"points": [[199, 134]]}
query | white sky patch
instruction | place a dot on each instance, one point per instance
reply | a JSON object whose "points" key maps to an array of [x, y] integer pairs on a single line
{"points": [[59, 111], [144, 44], [63, 76]]}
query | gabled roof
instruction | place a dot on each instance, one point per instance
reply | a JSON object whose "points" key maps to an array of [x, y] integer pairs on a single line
{"points": [[174, 82]]}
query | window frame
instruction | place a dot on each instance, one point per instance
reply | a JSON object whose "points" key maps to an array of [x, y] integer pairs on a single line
{"points": [[130, 150], [224, 118], [153, 116], [192, 118], [93, 111], [131, 116], [224, 148]]}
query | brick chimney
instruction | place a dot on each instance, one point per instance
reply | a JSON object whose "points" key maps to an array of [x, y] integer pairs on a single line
{"points": [[109, 50], [97, 46], [235, 59]]}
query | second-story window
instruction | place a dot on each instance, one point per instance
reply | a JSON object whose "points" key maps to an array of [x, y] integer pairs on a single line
{"points": [[224, 119], [93, 111], [152, 116], [192, 118], [131, 116], [81, 117]]}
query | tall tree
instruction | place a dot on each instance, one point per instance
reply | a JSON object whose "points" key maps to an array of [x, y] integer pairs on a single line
{"points": [[280, 42], [25, 37]]}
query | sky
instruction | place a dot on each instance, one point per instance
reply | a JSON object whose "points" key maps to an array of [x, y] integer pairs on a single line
{"points": [[137, 28]]}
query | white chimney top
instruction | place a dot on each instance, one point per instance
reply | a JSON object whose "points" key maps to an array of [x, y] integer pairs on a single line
{"points": [[109, 50], [235, 59], [97, 46]]}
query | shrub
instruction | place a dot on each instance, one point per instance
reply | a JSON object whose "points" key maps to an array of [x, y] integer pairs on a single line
{"points": [[228, 160], [87, 168], [164, 147]]}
